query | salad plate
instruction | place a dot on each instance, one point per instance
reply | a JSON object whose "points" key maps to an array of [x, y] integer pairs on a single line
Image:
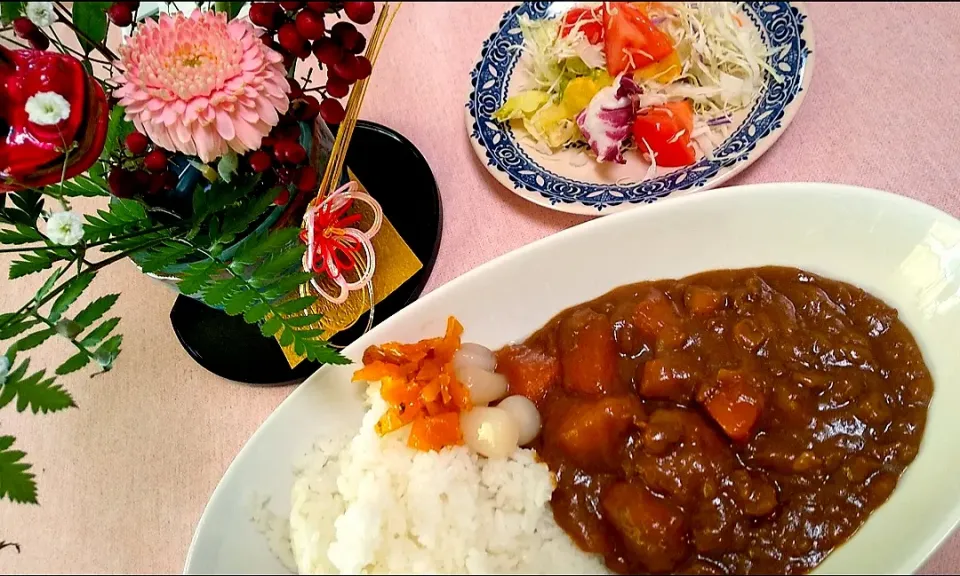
{"points": [[742, 70]]}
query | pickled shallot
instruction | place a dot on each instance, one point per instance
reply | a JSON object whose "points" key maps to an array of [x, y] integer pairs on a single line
{"points": [[440, 388]]}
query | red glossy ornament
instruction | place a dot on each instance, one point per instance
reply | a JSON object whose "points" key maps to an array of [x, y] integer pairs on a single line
{"points": [[327, 51], [309, 25], [307, 108], [260, 161], [156, 161], [32, 155], [39, 41], [291, 40], [266, 14], [136, 143], [120, 14], [359, 12], [282, 198], [122, 183], [24, 28], [319, 7], [332, 111], [307, 180]]}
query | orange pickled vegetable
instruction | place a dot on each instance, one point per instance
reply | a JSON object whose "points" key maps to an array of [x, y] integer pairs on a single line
{"points": [[436, 432], [417, 382]]}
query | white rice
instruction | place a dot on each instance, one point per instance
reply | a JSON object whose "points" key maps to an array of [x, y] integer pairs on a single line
{"points": [[379, 507]]}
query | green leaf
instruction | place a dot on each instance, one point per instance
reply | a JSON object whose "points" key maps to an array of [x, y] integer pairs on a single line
{"points": [[74, 363], [231, 8], [74, 288], [163, 256], [16, 482], [227, 165], [117, 131], [33, 262], [285, 285], [99, 333], [286, 337], [10, 11], [128, 210], [319, 351], [139, 244], [95, 310], [31, 341], [50, 283], [295, 305], [303, 321], [237, 220], [16, 375], [91, 19], [240, 301], [198, 276], [123, 216], [39, 394], [221, 290], [257, 313], [220, 196], [258, 246], [23, 234], [271, 326], [82, 186], [281, 263], [108, 351], [29, 205], [17, 328]]}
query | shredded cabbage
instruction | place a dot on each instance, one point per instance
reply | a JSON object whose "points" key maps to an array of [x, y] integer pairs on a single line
{"points": [[545, 105], [551, 60], [724, 57]]}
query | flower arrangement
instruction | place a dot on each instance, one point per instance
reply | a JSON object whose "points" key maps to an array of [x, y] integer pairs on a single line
{"points": [[204, 132]]}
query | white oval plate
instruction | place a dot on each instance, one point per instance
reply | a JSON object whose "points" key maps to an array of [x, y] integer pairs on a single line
{"points": [[898, 249], [582, 186]]}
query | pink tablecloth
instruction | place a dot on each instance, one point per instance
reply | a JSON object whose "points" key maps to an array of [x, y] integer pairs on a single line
{"points": [[123, 479]]}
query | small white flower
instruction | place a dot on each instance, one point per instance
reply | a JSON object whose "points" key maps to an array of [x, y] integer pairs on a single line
{"points": [[65, 228], [4, 368], [40, 13], [47, 108]]}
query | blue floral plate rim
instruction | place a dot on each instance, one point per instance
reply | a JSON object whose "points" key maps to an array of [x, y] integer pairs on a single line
{"points": [[782, 24]]}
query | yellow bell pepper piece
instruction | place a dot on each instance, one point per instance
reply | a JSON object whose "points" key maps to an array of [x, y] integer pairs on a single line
{"points": [[578, 94], [664, 71]]}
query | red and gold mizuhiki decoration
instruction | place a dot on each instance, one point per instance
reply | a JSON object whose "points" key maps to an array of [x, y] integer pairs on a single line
{"points": [[336, 247]]}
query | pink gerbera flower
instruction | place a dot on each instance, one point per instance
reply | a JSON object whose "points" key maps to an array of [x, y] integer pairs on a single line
{"points": [[201, 85]]}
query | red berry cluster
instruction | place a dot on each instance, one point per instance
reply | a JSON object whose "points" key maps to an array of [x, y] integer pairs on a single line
{"points": [[121, 13], [143, 170], [282, 158], [27, 30], [298, 29]]}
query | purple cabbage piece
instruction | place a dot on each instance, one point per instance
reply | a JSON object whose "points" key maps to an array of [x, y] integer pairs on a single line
{"points": [[719, 121], [606, 121]]}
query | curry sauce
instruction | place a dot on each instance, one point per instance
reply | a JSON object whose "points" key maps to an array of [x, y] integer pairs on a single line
{"points": [[737, 421]]}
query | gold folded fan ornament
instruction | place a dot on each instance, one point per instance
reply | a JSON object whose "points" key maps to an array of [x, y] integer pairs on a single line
{"points": [[395, 264], [356, 256]]}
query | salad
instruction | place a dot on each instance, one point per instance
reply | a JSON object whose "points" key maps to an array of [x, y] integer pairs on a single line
{"points": [[664, 78]]}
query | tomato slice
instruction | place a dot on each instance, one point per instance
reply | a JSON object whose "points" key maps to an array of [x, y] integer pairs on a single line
{"points": [[666, 129], [592, 23], [631, 39]]}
